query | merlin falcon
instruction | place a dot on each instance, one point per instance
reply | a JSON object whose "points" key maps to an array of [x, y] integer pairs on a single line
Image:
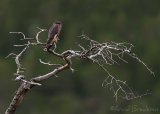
{"points": [[53, 35]]}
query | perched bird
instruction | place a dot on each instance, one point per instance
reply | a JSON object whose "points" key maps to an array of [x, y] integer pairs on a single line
{"points": [[53, 34]]}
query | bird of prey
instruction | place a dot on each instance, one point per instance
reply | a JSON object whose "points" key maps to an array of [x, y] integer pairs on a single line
{"points": [[53, 34]]}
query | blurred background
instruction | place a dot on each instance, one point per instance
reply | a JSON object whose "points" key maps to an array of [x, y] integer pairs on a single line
{"points": [[81, 92]]}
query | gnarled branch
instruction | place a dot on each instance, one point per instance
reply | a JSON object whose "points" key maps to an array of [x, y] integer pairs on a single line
{"points": [[100, 53]]}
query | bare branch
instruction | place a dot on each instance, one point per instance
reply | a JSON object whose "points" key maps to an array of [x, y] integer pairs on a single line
{"points": [[48, 63], [133, 55], [99, 53], [27, 85], [48, 75], [11, 54], [37, 36], [104, 52], [17, 60], [24, 37]]}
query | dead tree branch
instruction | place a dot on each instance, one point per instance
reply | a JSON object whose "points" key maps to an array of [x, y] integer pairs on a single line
{"points": [[100, 53]]}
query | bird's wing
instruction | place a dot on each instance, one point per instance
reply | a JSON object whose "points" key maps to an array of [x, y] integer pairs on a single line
{"points": [[52, 32]]}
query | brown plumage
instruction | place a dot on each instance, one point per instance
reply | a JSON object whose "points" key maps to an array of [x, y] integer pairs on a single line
{"points": [[53, 34]]}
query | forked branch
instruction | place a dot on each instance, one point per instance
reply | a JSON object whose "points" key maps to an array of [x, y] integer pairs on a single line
{"points": [[100, 53]]}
